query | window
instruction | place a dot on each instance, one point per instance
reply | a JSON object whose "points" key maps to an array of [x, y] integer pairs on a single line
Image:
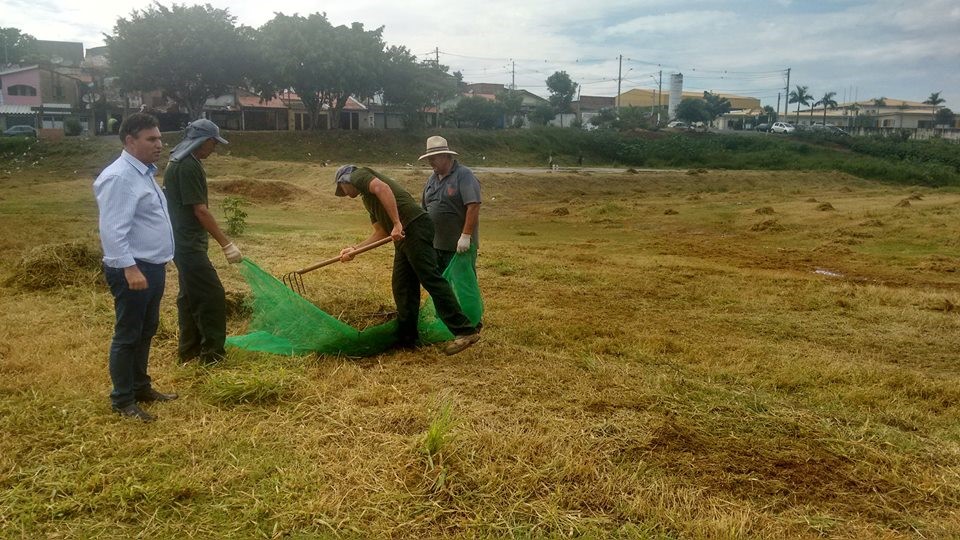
{"points": [[21, 90]]}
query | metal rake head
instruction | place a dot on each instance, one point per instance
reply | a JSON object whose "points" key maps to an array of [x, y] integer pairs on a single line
{"points": [[294, 280]]}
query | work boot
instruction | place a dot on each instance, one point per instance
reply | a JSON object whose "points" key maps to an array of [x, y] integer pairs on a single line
{"points": [[460, 343], [149, 395], [133, 411]]}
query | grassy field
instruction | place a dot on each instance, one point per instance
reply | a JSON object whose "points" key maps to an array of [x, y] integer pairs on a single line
{"points": [[681, 354]]}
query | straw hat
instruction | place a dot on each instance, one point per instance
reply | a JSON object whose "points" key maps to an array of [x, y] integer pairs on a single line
{"points": [[437, 145]]}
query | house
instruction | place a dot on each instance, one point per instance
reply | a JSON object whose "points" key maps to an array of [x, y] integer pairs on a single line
{"points": [[50, 95], [641, 97], [586, 107]]}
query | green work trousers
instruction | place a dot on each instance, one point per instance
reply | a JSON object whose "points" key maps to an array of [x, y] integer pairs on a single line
{"points": [[415, 264], [201, 307]]}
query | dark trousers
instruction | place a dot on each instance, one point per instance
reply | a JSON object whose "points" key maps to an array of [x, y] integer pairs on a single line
{"points": [[415, 264], [138, 315], [201, 308]]}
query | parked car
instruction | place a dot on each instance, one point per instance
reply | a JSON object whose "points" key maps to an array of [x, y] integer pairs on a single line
{"points": [[763, 127], [20, 131], [782, 127], [678, 125]]}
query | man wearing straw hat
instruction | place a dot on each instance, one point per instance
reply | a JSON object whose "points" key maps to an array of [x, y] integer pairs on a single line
{"points": [[452, 198], [395, 213], [201, 304]]}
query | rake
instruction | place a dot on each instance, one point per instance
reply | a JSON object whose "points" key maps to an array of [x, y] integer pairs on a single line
{"points": [[294, 279]]}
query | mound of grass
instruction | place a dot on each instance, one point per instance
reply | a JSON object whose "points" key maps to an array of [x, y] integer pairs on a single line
{"points": [[50, 266], [257, 384]]}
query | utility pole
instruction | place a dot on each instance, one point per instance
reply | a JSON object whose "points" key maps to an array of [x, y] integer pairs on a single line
{"points": [[513, 75], [786, 99], [436, 96], [778, 105], [619, 80], [659, 96]]}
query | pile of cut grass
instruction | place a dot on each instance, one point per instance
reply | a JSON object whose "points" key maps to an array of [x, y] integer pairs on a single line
{"points": [[51, 266]]}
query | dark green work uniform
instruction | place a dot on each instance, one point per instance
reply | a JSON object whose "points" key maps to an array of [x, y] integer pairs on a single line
{"points": [[414, 261], [201, 304]]}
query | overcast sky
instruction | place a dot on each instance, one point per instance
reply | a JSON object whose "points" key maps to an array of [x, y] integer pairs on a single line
{"points": [[858, 48]]}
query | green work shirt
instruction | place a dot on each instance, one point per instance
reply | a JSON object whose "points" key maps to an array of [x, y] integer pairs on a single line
{"points": [[185, 184], [407, 206]]}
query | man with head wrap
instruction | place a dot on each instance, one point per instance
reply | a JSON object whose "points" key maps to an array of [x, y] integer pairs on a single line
{"points": [[201, 304]]}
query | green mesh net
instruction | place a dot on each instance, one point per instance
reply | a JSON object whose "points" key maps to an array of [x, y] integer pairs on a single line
{"points": [[284, 322]]}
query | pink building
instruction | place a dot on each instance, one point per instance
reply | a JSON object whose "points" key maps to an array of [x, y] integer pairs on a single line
{"points": [[21, 86]]}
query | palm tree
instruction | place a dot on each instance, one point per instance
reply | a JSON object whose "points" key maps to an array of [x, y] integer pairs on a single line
{"points": [[800, 97], [827, 101], [880, 102], [934, 100]]}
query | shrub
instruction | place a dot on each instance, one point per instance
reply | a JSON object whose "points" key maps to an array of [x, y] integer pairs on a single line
{"points": [[72, 126]]}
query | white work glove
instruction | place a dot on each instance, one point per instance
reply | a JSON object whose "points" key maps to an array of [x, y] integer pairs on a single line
{"points": [[463, 245], [232, 253]]}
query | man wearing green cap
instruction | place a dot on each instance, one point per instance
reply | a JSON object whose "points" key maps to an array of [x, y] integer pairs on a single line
{"points": [[395, 213], [201, 304]]}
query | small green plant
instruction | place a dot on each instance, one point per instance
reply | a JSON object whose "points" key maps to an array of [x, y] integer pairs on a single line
{"points": [[72, 126], [439, 432], [233, 209]]}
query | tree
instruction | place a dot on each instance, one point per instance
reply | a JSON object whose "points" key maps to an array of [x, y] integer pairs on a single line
{"points": [[410, 86], [323, 64], [542, 114], [355, 66], [945, 117], [16, 47], [934, 100], [800, 97], [880, 102], [479, 112], [191, 53], [769, 115], [693, 110], [716, 105], [827, 101], [512, 104], [562, 89]]}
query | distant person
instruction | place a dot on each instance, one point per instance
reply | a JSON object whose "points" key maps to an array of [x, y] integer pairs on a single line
{"points": [[137, 242], [452, 198], [201, 304], [395, 213], [550, 162]]}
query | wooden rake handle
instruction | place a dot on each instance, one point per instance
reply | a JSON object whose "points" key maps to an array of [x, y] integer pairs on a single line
{"points": [[332, 260]]}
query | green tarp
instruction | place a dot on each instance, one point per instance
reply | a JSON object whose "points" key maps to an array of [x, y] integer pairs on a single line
{"points": [[284, 322]]}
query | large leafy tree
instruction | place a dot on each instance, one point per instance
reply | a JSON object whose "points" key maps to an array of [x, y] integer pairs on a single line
{"points": [[293, 53], [562, 90], [693, 110], [827, 102], [191, 53], [16, 47], [356, 66], [323, 64], [716, 105], [410, 86], [800, 96], [479, 112]]}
